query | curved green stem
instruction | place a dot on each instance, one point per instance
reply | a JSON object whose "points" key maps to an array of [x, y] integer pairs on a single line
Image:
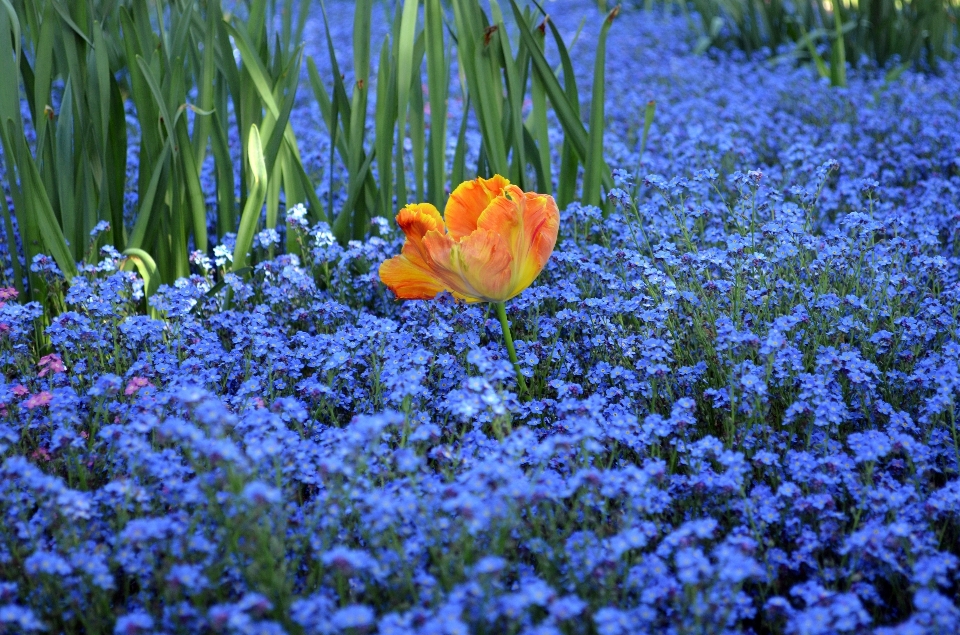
{"points": [[508, 339]]}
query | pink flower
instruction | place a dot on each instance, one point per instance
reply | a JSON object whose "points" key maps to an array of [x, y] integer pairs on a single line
{"points": [[7, 293], [40, 399], [51, 364], [20, 390], [136, 384]]}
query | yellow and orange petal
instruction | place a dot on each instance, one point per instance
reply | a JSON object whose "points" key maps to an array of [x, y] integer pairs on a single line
{"points": [[408, 280], [486, 265], [468, 201], [415, 221]]}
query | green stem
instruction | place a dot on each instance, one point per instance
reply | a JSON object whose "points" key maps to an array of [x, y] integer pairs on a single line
{"points": [[508, 339]]}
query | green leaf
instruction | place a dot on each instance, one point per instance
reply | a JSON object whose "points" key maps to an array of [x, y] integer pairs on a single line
{"points": [[223, 164], [458, 171], [595, 161], [148, 200], [190, 174], [251, 211], [385, 118], [166, 122], [418, 134], [254, 66], [147, 267], [438, 82], [13, 23], [361, 86], [38, 205]]}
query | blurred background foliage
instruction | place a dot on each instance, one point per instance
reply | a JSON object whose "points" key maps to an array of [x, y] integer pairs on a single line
{"points": [[892, 34]]}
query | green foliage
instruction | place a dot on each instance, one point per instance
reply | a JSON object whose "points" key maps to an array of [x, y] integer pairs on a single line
{"points": [[913, 31], [174, 62], [497, 76], [157, 54]]}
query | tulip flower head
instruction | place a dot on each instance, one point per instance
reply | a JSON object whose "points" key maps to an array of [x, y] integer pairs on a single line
{"points": [[491, 243]]}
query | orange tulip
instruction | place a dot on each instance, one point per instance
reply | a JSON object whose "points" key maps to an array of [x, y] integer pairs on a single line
{"points": [[491, 243]]}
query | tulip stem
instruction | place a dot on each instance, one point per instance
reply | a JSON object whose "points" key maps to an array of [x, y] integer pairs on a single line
{"points": [[508, 339]]}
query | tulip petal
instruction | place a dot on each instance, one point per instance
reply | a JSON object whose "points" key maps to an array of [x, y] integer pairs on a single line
{"points": [[467, 203], [410, 280], [486, 264], [444, 256], [528, 223], [411, 275], [416, 220], [541, 223], [504, 216]]}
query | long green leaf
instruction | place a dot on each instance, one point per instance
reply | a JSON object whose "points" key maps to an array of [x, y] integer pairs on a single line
{"points": [[147, 267], [595, 162], [385, 117], [254, 65], [405, 68], [438, 82], [148, 200], [418, 136], [361, 86], [251, 211], [39, 205], [166, 121], [223, 164]]}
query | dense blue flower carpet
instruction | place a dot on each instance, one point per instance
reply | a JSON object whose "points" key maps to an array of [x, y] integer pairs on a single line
{"points": [[742, 412]]}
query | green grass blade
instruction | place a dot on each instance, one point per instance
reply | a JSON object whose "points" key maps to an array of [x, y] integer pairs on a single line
{"points": [[9, 56], [148, 199], [166, 121], [68, 19], [537, 122], [385, 118], [116, 162], [306, 186], [206, 87], [147, 267], [339, 90], [43, 68], [838, 55], [194, 195], [251, 211], [65, 173], [516, 92], [595, 161], [648, 114], [223, 164], [438, 82], [405, 40], [568, 113], [418, 134], [277, 131], [39, 205], [11, 23], [543, 183], [361, 70], [347, 224], [479, 56], [458, 170], [254, 66], [12, 241]]}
